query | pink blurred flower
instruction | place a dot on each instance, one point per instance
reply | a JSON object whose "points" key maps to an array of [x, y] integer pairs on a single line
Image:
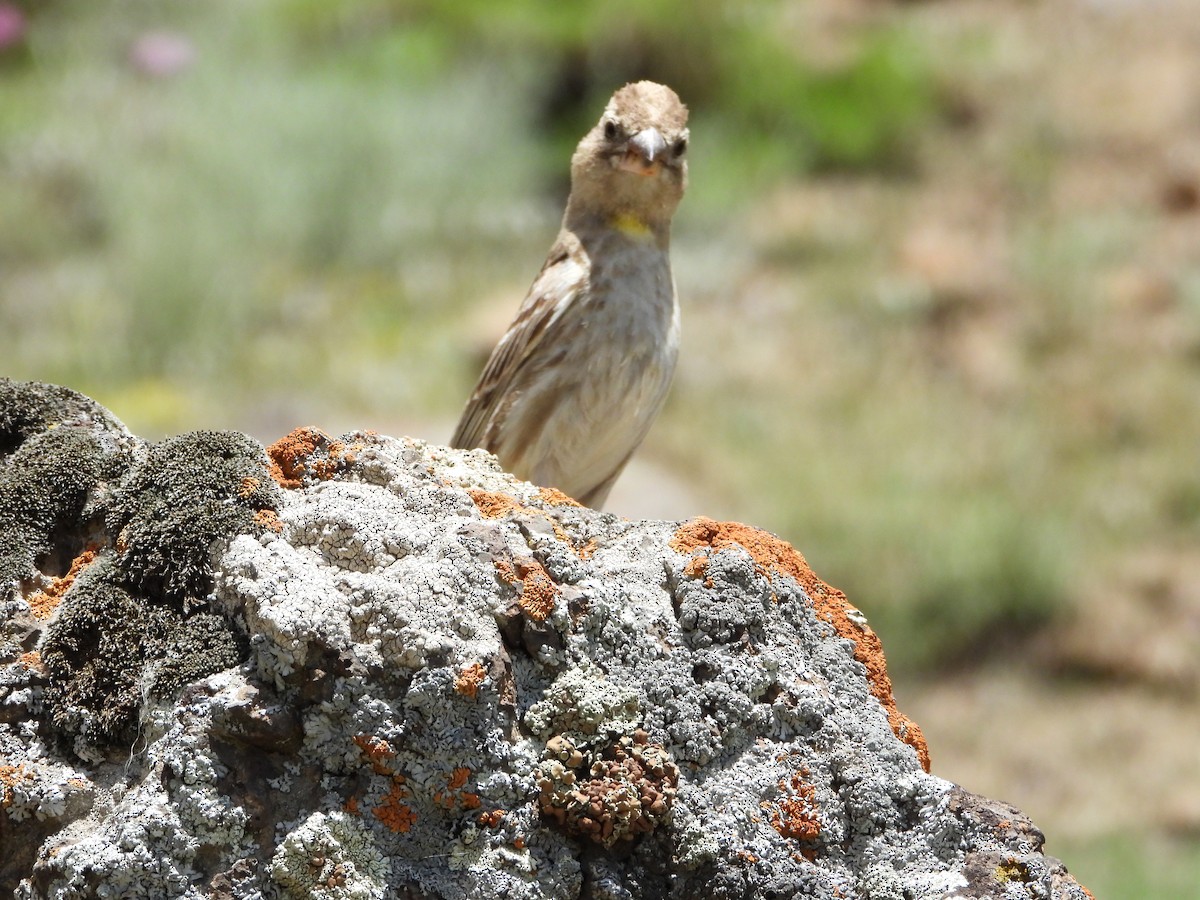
{"points": [[12, 26], [161, 54]]}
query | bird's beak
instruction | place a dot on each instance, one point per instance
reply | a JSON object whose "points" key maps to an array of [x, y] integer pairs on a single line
{"points": [[644, 153]]}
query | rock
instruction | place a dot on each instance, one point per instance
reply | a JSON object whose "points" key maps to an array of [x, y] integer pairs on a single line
{"points": [[374, 668]]}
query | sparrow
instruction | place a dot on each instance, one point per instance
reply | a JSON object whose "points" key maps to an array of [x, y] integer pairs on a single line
{"points": [[575, 383]]}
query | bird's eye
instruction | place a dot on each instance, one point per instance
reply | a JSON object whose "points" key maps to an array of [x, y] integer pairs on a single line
{"points": [[681, 147], [610, 130]]}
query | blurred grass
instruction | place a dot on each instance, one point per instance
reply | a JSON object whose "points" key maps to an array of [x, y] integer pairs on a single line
{"points": [[253, 220], [335, 175], [740, 74], [1134, 866]]}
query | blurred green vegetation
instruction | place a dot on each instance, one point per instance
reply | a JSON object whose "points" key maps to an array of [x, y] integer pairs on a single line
{"points": [[245, 223], [1133, 865], [729, 60], [334, 175]]}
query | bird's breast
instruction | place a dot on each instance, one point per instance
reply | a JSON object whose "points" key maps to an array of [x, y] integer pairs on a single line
{"points": [[614, 374]]}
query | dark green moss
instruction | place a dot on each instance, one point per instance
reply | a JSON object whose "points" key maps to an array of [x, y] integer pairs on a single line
{"points": [[107, 651], [188, 493], [44, 489], [195, 648], [135, 623], [29, 408], [58, 449], [93, 654]]}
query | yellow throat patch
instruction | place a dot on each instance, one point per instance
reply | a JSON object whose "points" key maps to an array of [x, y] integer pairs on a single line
{"points": [[631, 225]]}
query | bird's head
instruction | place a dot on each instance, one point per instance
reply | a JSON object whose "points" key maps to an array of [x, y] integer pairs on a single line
{"points": [[630, 170]]}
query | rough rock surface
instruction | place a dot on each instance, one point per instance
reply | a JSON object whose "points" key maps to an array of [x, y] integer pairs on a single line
{"points": [[373, 668]]}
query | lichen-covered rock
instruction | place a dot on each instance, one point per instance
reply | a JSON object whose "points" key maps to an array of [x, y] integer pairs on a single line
{"points": [[330, 856], [388, 670]]}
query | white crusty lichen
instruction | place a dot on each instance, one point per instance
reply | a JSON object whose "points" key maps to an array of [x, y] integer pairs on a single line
{"points": [[33, 784], [289, 611], [358, 573], [477, 470], [330, 856], [206, 814], [136, 858], [28, 789], [583, 700]]}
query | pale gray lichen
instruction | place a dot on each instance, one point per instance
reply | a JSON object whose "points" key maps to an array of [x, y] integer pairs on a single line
{"points": [[320, 591], [583, 700], [32, 789], [139, 857], [330, 856]]}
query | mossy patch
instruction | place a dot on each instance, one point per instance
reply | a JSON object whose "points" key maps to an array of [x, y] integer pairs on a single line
{"points": [[28, 408], [58, 449], [107, 651], [133, 624], [137, 626], [186, 494]]}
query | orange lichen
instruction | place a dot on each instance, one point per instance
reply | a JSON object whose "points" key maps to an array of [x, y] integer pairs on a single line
{"points": [[454, 795], [519, 842], [248, 486], [469, 679], [326, 468], [393, 813], [11, 775], [268, 519], [538, 590], [469, 800], [340, 455], [555, 497], [696, 566], [288, 455], [46, 601], [351, 805], [309, 450], [795, 816], [32, 661], [495, 505], [377, 751], [43, 604], [490, 819], [775, 556]]}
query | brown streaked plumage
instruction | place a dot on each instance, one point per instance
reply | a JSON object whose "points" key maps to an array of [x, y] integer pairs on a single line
{"points": [[579, 377]]}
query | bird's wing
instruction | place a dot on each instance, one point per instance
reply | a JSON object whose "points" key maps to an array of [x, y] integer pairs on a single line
{"points": [[561, 280]]}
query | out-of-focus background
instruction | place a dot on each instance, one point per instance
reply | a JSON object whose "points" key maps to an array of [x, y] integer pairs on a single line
{"points": [[940, 271]]}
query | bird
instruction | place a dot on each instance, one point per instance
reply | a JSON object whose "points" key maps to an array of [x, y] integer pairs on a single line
{"points": [[572, 388]]}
